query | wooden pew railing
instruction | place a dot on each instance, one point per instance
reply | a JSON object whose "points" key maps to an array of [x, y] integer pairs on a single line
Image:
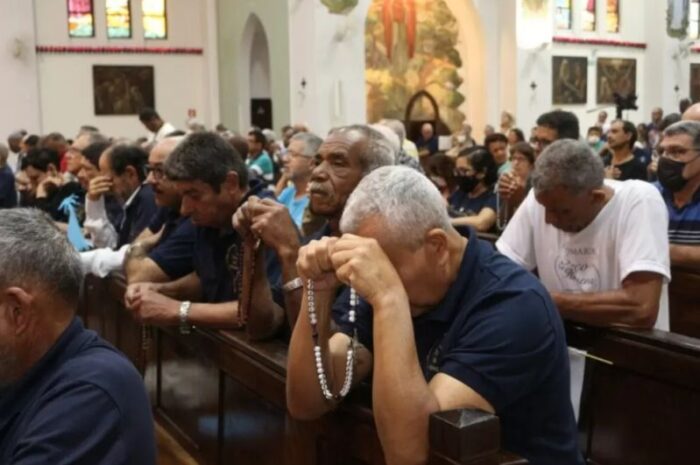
{"points": [[223, 399]]}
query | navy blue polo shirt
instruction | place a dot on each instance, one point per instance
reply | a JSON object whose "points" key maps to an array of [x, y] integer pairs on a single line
{"points": [[216, 255], [498, 331], [82, 403], [137, 215], [174, 251], [683, 223]]}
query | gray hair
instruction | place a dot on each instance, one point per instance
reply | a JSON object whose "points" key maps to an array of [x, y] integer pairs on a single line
{"points": [[34, 251], [379, 150], [311, 143], [568, 163], [4, 153], [397, 126], [408, 203], [688, 127]]}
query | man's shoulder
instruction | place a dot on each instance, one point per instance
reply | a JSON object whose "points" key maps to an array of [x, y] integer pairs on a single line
{"points": [[634, 190]]}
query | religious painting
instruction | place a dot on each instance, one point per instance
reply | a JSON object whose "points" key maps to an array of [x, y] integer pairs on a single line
{"points": [[122, 90], [677, 12], [410, 47], [616, 75], [695, 82], [569, 80]]}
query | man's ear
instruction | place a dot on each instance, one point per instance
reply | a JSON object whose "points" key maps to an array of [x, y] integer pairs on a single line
{"points": [[21, 307], [132, 174], [436, 242], [232, 184], [598, 196]]}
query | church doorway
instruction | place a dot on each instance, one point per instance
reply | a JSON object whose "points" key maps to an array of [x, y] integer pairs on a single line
{"points": [[255, 81]]}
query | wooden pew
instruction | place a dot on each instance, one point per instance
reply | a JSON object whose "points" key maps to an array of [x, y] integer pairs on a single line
{"points": [[684, 301], [644, 408], [223, 399]]}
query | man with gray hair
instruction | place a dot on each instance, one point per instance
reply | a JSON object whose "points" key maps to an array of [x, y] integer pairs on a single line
{"points": [[298, 165], [679, 184], [8, 194], [599, 246], [442, 303], [346, 156], [66, 396]]}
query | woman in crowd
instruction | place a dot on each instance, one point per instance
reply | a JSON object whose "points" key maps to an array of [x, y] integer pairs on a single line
{"points": [[474, 202]]}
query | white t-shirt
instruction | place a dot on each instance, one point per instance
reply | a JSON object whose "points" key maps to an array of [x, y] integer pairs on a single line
{"points": [[630, 234], [164, 130]]}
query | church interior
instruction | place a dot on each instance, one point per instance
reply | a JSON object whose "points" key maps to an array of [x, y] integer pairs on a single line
{"points": [[343, 232]]}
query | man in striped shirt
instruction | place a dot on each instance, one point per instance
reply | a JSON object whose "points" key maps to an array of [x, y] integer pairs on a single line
{"points": [[679, 183]]}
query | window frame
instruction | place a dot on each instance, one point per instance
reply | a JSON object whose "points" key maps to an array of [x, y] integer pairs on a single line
{"points": [[165, 20], [131, 22], [71, 12]]}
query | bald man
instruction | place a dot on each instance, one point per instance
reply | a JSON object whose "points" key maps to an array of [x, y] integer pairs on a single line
{"points": [[692, 113], [166, 253]]}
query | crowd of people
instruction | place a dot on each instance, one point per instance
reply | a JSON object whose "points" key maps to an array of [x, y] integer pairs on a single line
{"points": [[366, 257]]}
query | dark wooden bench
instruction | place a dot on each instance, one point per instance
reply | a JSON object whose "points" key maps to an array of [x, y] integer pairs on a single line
{"points": [[223, 399], [684, 301]]}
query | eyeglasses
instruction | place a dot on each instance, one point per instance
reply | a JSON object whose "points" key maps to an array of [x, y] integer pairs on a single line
{"points": [[675, 153], [157, 171]]}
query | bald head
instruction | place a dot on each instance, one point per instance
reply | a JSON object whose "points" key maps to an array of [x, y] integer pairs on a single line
{"points": [[692, 113], [166, 194], [162, 150]]}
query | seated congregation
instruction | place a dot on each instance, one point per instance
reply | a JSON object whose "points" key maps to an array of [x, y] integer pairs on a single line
{"points": [[321, 271]]}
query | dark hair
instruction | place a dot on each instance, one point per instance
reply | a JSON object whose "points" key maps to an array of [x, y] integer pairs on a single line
{"points": [[564, 122], [526, 149], [176, 133], [597, 129], [148, 114], [88, 128], [55, 137], [240, 143], [258, 136], [32, 141], [206, 157], [518, 134], [482, 162], [684, 104], [668, 120], [629, 128], [495, 137], [125, 155], [443, 166], [40, 159], [93, 152]]}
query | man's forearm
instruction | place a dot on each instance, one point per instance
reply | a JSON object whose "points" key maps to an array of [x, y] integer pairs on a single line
{"points": [[304, 399], [265, 317], [222, 315], [687, 256], [185, 288], [402, 400], [292, 299], [611, 308]]}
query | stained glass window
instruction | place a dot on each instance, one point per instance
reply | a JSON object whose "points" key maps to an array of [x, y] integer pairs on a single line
{"points": [[118, 18], [694, 20], [81, 21], [562, 15], [588, 16], [613, 16], [155, 23]]}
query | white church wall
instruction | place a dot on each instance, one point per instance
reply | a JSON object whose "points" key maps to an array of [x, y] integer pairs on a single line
{"points": [[234, 87], [182, 82], [19, 87]]}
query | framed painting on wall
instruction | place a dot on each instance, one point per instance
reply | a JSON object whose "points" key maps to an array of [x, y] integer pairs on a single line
{"points": [[695, 82], [569, 80], [122, 90], [616, 75]]}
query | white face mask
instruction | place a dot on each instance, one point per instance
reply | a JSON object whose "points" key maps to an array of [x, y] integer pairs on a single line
{"points": [[593, 140]]}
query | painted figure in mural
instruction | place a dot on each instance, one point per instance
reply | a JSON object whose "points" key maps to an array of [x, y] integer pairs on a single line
{"points": [[402, 15]]}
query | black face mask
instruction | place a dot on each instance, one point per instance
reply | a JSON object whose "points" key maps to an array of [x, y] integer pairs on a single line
{"points": [[670, 173], [467, 183]]}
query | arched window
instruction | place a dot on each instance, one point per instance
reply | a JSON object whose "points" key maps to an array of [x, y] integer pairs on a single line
{"points": [[562, 15], [155, 23], [118, 19], [613, 16], [81, 20], [588, 16]]}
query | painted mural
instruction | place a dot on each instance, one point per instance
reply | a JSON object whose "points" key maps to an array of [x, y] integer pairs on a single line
{"points": [[410, 46]]}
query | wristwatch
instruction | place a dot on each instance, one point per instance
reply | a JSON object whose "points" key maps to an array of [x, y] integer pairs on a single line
{"points": [[293, 285], [185, 327]]}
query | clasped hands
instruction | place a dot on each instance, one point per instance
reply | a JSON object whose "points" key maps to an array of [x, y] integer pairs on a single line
{"points": [[149, 306], [355, 261], [270, 221]]}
